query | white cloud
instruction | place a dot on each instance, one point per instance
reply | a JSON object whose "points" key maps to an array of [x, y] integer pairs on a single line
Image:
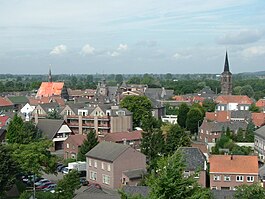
{"points": [[114, 54], [253, 51], [58, 50], [87, 50], [122, 47], [181, 56]]}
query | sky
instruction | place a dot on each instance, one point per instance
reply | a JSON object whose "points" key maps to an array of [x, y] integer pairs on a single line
{"points": [[131, 37]]}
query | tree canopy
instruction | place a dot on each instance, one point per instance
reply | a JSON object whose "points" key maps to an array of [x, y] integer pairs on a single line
{"points": [[249, 191], [182, 115]]}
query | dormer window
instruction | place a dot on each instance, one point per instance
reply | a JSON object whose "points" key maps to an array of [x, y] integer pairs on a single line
{"points": [[120, 113]]}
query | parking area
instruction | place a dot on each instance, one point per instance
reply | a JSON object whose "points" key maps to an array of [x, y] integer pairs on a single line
{"points": [[53, 178]]}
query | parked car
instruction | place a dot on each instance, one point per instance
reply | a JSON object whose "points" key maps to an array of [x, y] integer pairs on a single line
{"points": [[59, 167], [83, 182], [50, 187], [41, 182], [65, 170], [44, 185]]}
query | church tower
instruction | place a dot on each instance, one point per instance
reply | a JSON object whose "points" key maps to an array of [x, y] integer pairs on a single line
{"points": [[50, 75], [226, 79]]}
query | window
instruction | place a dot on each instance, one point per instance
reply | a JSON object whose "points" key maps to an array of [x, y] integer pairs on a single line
{"points": [[214, 188], [227, 178], [216, 178], [95, 164], [93, 175], [108, 167], [73, 156], [106, 179], [67, 146], [239, 178], [102, 166], [89, 162], [250, 179], [73, 147]]}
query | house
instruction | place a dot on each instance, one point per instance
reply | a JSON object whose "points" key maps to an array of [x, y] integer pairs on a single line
{"points": [[49, 89], [27, 111], [6, 105], [132, 138], [195, 164], [42, 110], [229, 171], [87, 93], [233, 102], [103, 118], [210, 131], [258, 119], [71, 145], [18, 101], [107, 161], [261, 104], [259, 142], [4, 121], [133, 177], [55, 130]]}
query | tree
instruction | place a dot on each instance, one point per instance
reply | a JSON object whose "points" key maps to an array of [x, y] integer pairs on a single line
{"points": [[247, 90], [208, 105], [249, 137], [182, 116], [140, 106], [67, 186], [237, 90], [13, 128], [118, 78], [176, 137], [249, 191], [253, 108], [194, 120], [90, 142], [169, 182], [152, 145], [8, 170], [54, 114]]}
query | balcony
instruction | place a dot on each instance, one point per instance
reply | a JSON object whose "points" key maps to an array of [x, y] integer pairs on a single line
{"points": [[73, 124]]}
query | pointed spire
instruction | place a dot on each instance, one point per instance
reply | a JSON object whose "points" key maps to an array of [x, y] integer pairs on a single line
{"points": [[226, 66], [50, 74]]}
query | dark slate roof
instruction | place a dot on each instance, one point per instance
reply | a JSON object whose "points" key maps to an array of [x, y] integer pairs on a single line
{"points": [[137, 190], [135, 173], [260, 132], [114, 111], [206, 90], [75, 106], [220, 126], [226, 66], [194, 158], [18, 99], [223, 194], [241, 114], [107, 151], [91, 192], [47, 106], [112, 92], [49, 127]]}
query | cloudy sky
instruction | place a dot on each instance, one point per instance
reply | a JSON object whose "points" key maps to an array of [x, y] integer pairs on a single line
{"points": [[136, 36]]}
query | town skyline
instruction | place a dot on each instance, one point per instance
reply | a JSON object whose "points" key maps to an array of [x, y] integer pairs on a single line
{"points": [[118, 37]]}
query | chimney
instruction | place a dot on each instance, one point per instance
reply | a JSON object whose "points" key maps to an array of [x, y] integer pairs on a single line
{"points": [[231, 157]]}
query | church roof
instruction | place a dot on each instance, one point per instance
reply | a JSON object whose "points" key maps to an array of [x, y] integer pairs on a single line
{"points": [[48, 89]]}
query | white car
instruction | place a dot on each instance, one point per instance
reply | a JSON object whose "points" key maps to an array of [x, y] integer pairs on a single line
{"points": [[65, 170]]}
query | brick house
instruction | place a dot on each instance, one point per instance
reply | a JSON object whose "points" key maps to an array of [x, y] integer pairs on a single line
{"points": [[233, 102], [195, 164], [107, 161], [229, 171], [133, 177], [71, 145]]}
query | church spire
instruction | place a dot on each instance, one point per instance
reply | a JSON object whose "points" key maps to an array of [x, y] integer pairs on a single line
{"points": [[226, 66], [50, 74]]}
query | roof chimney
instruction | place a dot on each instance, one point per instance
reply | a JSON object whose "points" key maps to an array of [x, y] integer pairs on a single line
{"points": [[231, 157]]}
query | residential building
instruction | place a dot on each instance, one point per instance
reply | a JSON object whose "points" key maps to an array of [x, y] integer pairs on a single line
{"points": [[5, 105], [133, 177], [55, 130], [103, 118], [27, 111], [195, 164], [259, 142], [107, 161], [226, 79], [72, 144], [4, 121], [233, 103], [258, 119], [42, 110], [18, 101], [229, 171], [261, 104]]}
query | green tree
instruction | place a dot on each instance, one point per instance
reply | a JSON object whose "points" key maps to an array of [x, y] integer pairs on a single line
{"points": [[169, 182], [54, 114], [67, 186], [182, 116], [240, 137], [247, 90], [118, 78], [237, 90], [176, 137], [249, 137], [208, 105], [194, 120], [140, 106], [152, 145], [8, 170], [90, 142], [13, 128], [249, 191], [253, 108]]}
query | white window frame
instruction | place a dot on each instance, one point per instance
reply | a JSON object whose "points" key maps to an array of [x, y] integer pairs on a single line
{"points": [[250, 178], [214, 188], [227, 178], [95, 164], [93, 175], [108, 168], [239, 178], [89, 162], [102, 166], [216, 177], [105, 179], [67, 145]]}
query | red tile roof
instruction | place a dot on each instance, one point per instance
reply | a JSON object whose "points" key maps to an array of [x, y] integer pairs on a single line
{"points": [[260, 103], [78, 139], [258, 119], [240, 99], [219, 116], [5, 102], [48, 89], [180, 98], [238, 164], [120, 136], [3, 120]]}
